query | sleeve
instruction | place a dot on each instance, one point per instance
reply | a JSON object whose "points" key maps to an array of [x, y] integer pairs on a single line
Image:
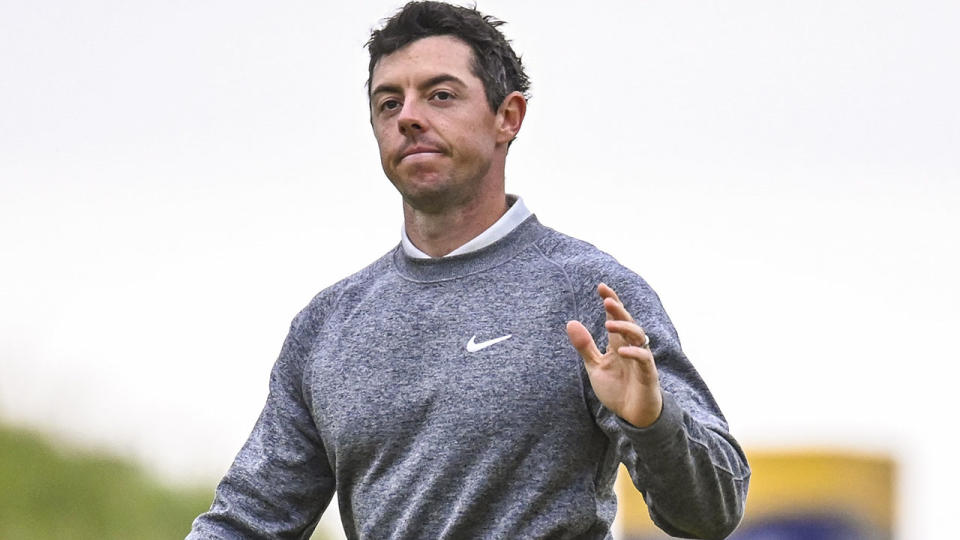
{"points": [[281, 481], [691, 471]]}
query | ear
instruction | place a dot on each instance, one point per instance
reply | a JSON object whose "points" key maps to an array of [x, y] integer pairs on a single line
{"points": [[510, 117]]}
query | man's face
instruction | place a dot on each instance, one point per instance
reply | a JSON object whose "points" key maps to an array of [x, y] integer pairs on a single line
{"points": [[436, 132]]}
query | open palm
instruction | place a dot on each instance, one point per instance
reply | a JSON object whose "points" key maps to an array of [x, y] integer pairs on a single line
{"points": [[625, 377]]}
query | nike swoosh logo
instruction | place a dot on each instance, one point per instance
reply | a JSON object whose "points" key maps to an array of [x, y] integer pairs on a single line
{"points": [[473, 346]]}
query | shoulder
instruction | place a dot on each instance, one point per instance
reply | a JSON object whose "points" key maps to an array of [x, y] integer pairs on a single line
{"points": [[585, 264], [311, 318]]}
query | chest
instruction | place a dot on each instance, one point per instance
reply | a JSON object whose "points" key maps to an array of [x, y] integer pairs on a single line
{"points": [[414, 367]]}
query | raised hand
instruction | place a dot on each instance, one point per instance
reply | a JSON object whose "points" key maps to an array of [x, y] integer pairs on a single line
{"points": [[625, 377]]}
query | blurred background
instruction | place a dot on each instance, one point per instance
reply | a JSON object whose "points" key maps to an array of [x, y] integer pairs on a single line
{"points": [[178, 179]]}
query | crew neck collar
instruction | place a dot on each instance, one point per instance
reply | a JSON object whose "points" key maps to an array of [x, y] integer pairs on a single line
{"points": [[516, 213], [437, 269]]}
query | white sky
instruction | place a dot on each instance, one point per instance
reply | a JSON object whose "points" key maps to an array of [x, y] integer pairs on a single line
{"points": [[178, 179]]}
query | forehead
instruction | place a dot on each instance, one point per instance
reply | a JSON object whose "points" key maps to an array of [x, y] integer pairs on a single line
{"points": [[423, 59]]}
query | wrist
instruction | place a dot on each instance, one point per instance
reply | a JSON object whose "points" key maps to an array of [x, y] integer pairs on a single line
{"points": [[647, 413]]}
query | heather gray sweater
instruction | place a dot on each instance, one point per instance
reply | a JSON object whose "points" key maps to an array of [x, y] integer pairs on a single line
{"points": [[377, 396]]}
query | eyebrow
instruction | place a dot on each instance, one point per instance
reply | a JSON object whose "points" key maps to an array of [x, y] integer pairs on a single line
{"points": [[432, 81]]}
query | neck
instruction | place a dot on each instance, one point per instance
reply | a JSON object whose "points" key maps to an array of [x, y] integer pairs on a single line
{"points": [[437, 234]]}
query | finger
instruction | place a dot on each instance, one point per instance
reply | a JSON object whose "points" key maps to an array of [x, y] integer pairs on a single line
{"points": [[606, 291], [631, 332], [612, 304], [583, 342], [645, 361], [615, 310]]}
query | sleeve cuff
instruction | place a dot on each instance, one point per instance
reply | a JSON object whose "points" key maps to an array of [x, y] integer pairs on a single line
{"points": [[661, 432]]}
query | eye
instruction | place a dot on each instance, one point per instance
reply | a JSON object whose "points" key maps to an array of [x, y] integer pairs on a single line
{"points": [[443, 95], [389, 105]]}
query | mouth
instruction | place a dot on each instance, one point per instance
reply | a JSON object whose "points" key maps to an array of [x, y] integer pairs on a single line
{"points": [[419, 150]]}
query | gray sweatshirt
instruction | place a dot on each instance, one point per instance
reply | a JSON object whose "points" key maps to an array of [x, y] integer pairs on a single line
{"points": [[441, 398]]}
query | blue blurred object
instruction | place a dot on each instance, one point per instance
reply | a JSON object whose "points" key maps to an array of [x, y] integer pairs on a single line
{"points": [[804, 527], [798, 494]]}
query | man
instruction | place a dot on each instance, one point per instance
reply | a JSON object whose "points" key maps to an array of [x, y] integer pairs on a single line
{"points": [[453, 388]]}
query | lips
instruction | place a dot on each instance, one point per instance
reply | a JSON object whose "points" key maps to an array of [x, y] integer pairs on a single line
{"points": [[419, 149]]}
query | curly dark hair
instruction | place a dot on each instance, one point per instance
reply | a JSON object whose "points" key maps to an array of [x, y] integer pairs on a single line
{"points": [[494, 61]]}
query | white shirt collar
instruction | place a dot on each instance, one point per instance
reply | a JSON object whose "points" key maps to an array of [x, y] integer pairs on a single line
{"points": [[514, 216]]}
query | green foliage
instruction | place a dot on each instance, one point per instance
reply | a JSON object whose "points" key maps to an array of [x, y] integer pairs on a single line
{"points": [[48, 494]]}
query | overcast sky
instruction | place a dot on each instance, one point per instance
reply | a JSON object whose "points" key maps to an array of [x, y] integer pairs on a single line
{"points": [[178, 179]]}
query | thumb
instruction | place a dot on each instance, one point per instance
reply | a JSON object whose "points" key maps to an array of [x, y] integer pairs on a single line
{"points": [[583, 342]]}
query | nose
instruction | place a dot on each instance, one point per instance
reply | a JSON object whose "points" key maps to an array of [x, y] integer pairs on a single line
{"points": [[410, 121]]}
